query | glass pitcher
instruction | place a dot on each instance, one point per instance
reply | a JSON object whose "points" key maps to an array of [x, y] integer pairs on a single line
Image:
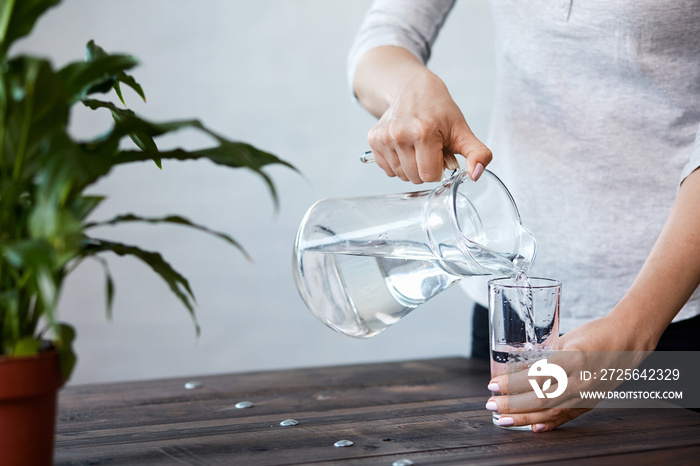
{"points": [[360, 264]]}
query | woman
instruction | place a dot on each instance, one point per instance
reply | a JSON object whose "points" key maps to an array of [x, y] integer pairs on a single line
{"points": [[595, 121]]}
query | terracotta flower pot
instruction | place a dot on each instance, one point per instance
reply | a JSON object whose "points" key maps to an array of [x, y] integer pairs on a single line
{"points": [[28, 388]]}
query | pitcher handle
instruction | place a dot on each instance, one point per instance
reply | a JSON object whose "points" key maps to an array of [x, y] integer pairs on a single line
{"points": [[367, 157]]}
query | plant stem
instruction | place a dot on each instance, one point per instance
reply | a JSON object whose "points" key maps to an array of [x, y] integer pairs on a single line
{"points": [[27, 123], [7, 14]]}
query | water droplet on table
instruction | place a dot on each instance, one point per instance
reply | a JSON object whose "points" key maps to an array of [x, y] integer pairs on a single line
{"points": [[343, 443], [192, 385], [289, 422], [244, 404]]}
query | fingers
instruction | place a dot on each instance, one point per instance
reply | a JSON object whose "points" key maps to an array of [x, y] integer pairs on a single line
{"points": [[526, 403], [386, 153], [515, 382], [415, 151], [409, 165], [542, 421], [547, 425], [381, 160], [522, 407], [430, 158], [407, 149]]}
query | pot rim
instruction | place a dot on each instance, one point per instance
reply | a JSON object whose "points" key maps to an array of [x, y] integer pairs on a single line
{"points": [[27, 376]]}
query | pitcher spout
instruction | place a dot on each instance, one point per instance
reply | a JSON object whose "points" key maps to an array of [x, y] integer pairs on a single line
{"points": [[526, 251]]}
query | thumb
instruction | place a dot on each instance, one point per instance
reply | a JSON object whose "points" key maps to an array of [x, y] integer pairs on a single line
{"points": [[477, 155]]}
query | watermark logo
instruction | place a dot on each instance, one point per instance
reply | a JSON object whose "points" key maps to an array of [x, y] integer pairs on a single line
{"points": [[544, 369]]}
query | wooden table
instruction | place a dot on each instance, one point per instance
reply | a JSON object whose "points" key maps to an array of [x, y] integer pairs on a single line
{"points": [[426, 411]]}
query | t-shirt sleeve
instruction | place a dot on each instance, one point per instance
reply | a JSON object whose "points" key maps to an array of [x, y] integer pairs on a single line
{"points": [[411, 24], [694, 162]]}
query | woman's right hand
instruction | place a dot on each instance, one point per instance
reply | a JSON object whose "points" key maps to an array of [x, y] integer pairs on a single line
{"points": [[420, 128]]}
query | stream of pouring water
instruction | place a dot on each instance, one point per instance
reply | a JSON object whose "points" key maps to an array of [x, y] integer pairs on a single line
{"points": [[518, 269], [522, 280]]}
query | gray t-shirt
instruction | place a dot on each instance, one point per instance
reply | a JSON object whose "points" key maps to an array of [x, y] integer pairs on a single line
{"points": [[595, 124]]}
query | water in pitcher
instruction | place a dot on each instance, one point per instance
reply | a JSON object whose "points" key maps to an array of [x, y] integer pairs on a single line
{"points": [[379, 282]]}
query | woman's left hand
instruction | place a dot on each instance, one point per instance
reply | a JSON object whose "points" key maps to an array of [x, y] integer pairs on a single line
{"points": [[596, 344]]}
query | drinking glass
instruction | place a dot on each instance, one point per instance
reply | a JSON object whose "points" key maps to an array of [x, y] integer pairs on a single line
{"points": [[523, 324]]}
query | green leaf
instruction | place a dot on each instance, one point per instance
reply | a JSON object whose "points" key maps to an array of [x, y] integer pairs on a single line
{"points": [[129, 81], [84, 205], [229, 153], [27, 346], [175, 219], [64, 346], [9, 317], [109, 286], [142, 140], [175, 281], [35, 259], [28, 253], [36, 111], [17, 18], [129, 123], [83, 78], [94, 52]]}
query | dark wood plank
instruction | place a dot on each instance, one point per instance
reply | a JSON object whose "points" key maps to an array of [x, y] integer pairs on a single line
{"points": [[688, 456], [429, 411], [444, 439], [133, 404]]}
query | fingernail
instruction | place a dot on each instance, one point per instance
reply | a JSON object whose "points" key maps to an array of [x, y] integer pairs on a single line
{"points": [[492, 406], [493, 386], [478, 170], [505, 421], [539, 427]]}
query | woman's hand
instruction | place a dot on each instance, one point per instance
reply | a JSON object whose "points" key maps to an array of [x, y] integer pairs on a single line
{"points": [[599, 343], [420, 127]]}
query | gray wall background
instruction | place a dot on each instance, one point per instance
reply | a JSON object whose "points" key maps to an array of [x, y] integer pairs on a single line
{"points": [[272, 73]]}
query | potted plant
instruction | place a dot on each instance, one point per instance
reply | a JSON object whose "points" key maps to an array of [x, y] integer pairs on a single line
{"points": [[45, 231]]}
